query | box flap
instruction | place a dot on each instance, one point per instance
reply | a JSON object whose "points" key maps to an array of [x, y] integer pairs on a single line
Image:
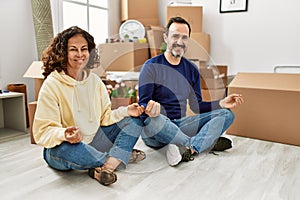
{"points": [[272, 81], [35, 70]]}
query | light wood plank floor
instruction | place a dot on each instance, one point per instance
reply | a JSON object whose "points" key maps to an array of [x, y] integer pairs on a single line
{"points": [[252, 170]]}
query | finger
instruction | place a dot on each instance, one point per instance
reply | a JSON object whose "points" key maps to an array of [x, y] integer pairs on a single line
{"points": [[153, 110], [135, 104], [142, 108], [139, 110], [157, 109], [239, 100], [71, 130], [148, 110], [149, 106], [80, 137]]}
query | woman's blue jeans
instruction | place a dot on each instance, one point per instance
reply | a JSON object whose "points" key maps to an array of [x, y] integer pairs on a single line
{"points": [[198, 132], [116, 140]]}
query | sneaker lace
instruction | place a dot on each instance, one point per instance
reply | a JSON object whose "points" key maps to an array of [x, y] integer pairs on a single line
{"points": [[187, 156]]}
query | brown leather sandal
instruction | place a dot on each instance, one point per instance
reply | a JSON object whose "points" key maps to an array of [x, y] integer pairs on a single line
{"points": [[137, 155], [103, 175]]}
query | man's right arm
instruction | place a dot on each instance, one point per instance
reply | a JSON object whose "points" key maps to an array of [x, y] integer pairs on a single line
{"points": [[146, 85], [146, 90]]}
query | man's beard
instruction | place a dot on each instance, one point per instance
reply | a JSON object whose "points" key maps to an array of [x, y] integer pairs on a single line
{"points": [[176, 55]]}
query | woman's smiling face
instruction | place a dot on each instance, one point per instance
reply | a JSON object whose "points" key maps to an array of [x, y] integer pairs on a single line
{"points": [[78, 52]]}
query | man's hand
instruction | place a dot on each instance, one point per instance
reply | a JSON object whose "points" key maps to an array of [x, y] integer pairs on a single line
{"points": [[135, 110], [152, 109], [73, 135], [231, 101]]}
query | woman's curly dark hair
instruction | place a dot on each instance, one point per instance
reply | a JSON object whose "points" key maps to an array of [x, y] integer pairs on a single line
{"points": [[55, 56]]}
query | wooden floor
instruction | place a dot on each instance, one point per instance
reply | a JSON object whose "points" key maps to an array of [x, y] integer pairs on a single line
{"points": [[252, 170]]}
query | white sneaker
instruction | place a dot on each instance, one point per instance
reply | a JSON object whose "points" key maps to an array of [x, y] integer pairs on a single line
{"points": [[173, 155]]}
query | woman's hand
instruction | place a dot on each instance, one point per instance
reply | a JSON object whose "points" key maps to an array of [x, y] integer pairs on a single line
{"points": [[231, 101], [73, 135], [135, 110], [152, 109]]}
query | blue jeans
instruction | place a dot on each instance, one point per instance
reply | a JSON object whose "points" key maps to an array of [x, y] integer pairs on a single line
{"points": [[198, 132], [116, 141]]}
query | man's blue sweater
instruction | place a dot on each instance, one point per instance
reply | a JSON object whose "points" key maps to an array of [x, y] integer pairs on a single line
{"points": [[171, 86]]}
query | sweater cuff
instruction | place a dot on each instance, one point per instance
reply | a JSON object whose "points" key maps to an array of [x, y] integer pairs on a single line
{"points": [[123, 111], [61, 135]]}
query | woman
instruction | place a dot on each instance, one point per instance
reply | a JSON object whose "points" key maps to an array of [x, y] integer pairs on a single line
{"points": [[74, 120]]}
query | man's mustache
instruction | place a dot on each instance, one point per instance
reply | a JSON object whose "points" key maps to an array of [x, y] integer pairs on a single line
{"points": [[179, 45]]}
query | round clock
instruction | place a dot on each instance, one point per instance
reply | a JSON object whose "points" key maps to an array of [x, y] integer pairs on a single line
{"points": [[132, 28]]}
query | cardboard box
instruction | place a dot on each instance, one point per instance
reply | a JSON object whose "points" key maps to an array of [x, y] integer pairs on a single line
{"points": [[31, 112], [213, 77], [155, 39], [207, 96], [35, 71], [198, 47], [117, 102], [271, 108], [145, 11], [193, 14], [122, 56], [213, 94], [199, 63], [210, 83]]}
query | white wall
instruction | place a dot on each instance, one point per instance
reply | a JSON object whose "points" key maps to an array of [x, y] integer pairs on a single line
{"points": [[254, 41], [17, 43]]}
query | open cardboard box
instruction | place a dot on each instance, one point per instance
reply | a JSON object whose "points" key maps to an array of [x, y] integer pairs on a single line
{"points": [[35, 71], [271, 108]]}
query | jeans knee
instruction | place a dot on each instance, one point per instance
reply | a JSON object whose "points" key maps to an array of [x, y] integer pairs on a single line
{"points": [[229, 115], [137, 120], [159, 120]]}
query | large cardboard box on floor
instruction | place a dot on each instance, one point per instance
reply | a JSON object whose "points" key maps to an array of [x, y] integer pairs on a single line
{"points": [[193, 14], [271, 108], [122, 56], [145, 11], [35, 71]]}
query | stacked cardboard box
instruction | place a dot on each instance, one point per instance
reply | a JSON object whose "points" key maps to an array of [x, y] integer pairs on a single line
{"points": [[155, 39], [213, 82], [121, 56], [145, 11], [199, 44]]}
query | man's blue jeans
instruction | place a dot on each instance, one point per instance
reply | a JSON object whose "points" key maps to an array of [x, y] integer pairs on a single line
{"points": [[116, 140], [198, 132]]}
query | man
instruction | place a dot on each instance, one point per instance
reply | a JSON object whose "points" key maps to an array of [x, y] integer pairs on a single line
{"points": [[166, 82]]}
